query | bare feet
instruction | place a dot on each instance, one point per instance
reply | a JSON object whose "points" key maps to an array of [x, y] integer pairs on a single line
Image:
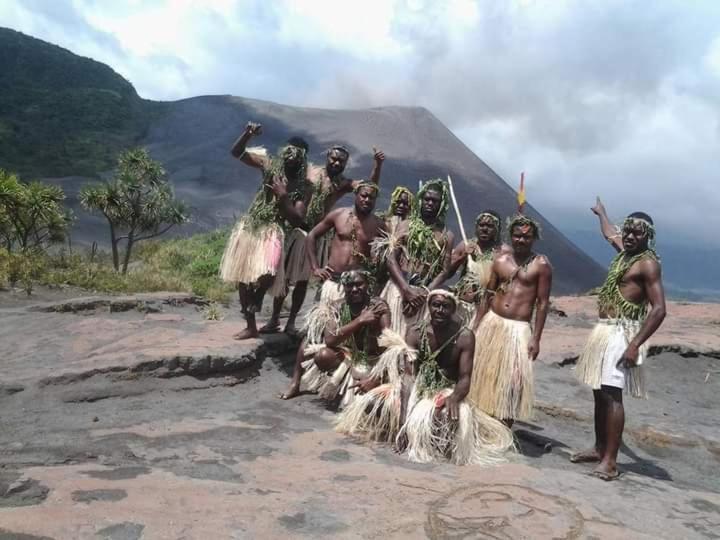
{"points": [[290, 329], [272, 327], [606, 472], [292, 391], [248, 333], [591, 455]]}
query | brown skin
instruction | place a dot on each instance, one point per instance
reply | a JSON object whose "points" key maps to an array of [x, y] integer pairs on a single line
{"points": [[361, 219], [530, 287], [294, 213], [402, 208], [334, 167], [399, 266], [642, 282], [455, 361], [365, 312], [486, 234]]}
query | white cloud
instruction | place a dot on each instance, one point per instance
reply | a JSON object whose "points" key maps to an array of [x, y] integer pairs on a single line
{"points": [[619, 98]]}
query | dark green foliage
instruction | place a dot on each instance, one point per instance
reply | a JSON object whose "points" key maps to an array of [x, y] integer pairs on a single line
{"points": [[32, 215], [138, 203], [62, 114]]}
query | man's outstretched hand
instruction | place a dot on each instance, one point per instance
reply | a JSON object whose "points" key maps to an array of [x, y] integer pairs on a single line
{"points": [[378, 156], [599, 208]]}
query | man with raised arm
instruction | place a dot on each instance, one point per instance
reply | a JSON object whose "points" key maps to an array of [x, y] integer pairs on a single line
{"points": [[613, 355], [254, 255], [328, 185], [354, 229], [502, 381], [421, 260]]}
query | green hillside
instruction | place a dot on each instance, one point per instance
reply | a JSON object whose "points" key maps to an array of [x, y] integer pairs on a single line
{"points": [[62, 114]]}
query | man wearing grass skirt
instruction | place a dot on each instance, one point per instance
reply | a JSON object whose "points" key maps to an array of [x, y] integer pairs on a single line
{"points": [[254, 256], [438, 422], [354, 228], [612, 359], [343, 365], [422, 256], [507, 344]]}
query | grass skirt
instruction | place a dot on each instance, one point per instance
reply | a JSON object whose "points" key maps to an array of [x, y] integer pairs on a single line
{"points": [[474, 439], [250, 255], [606, 344], [502, 378], [376, 414], [297, 264], [399, 322], [331, 386]]}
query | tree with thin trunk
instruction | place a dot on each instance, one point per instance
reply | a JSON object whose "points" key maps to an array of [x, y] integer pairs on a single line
{"points": [[138, 203]]}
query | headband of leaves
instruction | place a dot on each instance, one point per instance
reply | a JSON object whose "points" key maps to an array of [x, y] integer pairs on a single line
{"points": [[440, 186], [291, 152], [444, 293], [520, 220], [398, 192], [647, 228], [347, 276], [340, 148], [492, 217], [367, 185]]}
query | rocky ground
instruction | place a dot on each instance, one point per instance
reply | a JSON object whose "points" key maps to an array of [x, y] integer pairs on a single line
{"points": [[134, 417]]}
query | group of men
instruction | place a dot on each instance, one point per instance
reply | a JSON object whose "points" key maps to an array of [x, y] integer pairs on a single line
{"points": [[440, 373]]}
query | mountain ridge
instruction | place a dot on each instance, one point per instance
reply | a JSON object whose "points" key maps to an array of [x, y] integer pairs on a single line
{"points": [[192, 138]]}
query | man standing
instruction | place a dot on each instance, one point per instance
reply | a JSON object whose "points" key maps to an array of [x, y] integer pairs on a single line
{"points": [[421, 260], [354, 229], [438, 423], [328, 185], [342, 367], [502, 381], [254, 255], [400, 209], [613, 355], [476, 258]]}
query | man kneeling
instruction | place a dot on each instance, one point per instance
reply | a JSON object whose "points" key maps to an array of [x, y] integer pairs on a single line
{"points": [[437, 422], [341, 366]]}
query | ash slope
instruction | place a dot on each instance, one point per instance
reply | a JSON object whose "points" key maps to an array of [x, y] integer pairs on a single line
{"points": [[194, 138]]}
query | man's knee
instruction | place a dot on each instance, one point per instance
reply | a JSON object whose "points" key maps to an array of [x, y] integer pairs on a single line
{"points": [[327, 359]]}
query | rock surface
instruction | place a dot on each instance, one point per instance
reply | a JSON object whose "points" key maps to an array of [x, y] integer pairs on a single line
{"points": [[144, 425]]}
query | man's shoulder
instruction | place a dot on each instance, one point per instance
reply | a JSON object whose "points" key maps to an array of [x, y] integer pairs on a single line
{"points": [[466, 335], [340, 212], [542, 261], [315, 172], [648, 265]]}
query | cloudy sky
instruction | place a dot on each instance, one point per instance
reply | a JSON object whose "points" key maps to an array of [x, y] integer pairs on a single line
{"points": [[619, 98]]}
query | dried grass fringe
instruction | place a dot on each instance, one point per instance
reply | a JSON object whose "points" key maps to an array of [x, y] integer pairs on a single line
{"points": [[249, 255], [589, 367], [502, 379], [376, 414], [474, 439]]}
